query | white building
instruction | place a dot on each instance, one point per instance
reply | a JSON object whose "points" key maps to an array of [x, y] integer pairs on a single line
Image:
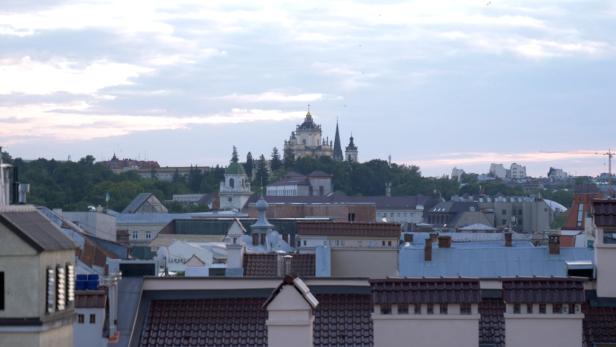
{"points": [[89, 323], [235, 189], [37, 280], [498, 171], [556, 174], [517, 172], [317, 183], [457, 174]]}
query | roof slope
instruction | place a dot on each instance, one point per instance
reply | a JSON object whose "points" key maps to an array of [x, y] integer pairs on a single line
{"points": [[36, 230], [349, 229], [544, 291], [425, 291], [134, 205], [266, 265]]}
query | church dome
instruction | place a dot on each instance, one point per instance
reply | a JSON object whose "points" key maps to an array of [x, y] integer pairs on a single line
{"points": [[235, 169], [308, 123]]}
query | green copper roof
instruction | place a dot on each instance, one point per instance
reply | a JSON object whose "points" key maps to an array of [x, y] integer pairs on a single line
{"points": [[235, 169]]}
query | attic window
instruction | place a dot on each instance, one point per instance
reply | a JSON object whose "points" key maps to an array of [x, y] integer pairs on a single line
{"points": [[465, 308], [385, 309], [403, 309]]}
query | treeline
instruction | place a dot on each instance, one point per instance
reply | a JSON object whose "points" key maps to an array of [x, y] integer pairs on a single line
{"points": [[78, 185]]}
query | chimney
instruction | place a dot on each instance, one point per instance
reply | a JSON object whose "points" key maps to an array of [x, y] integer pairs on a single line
{"points": [[434, 237], [428, 250], [287, 261], [444, 242], [554, 244], [408, 237], [508, 239]]}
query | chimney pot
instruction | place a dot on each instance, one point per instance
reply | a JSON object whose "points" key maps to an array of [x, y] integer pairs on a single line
{"points": [[433, 237], [508, 239], [428, 250], [444, 241]]}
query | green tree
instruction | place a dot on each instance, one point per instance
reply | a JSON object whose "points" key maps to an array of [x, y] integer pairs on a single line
{"points": [[275, 163], [288, 157], [262, 175], [249, 165]]}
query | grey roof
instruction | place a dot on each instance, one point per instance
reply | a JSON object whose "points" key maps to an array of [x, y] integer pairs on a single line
{"points": [[489, 261], [381, 202], [136, 203], [455, 206], [129, 296], [36, 230]]}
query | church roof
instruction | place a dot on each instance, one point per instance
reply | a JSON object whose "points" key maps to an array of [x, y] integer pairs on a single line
{"points": [[235, 169], [308, 123], [337, 146], [351, 145]]}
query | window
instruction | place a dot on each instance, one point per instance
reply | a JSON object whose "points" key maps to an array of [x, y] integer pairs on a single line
{"points": [[92, 318], [389, 243], [51, 290], [231, 183], [430, 309], [516, 308], [1, 290], [504, 211], [542, 308], [383, 243], [580, 214], [465, 309], [557, 308], [351, 217], [70, 285], [403, 309], [529, 308], [304, 242], [135, 235], [60, 288], [504, 221], [229, 199], [443, 309], [571, 308], [148, 235], [80, 318], [385, 309], [417, 309]]}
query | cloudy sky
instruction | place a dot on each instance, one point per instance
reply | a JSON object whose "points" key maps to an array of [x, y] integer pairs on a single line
{"points": [[434, 83]]}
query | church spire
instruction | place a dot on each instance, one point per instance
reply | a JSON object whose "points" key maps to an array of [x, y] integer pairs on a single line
{"points": [[337, 146]]}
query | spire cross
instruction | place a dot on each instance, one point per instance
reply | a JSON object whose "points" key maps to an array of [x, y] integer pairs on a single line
{"points": [[308, 107]]}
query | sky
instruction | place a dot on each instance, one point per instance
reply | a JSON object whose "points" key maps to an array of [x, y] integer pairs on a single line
{"points": [[431, 83]]}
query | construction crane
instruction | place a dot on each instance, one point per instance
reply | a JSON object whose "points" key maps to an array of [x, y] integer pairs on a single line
{"points": [[609, 155]]}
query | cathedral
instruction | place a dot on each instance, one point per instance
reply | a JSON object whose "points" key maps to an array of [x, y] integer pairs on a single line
{"points": [[307, 141]]}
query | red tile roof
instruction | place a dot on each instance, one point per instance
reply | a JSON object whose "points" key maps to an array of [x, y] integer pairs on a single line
{"points": [[604, 212], [426, 290], [266, 265], [340, 320], [492, 322], [349, 229], [90, 299], [543, 291], [599, 325]]}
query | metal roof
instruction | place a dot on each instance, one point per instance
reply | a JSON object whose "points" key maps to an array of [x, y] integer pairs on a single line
{"points": [[134, 205], [489, 261]]}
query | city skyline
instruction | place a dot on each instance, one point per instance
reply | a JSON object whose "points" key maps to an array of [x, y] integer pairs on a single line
{"points": [[435, 84]]}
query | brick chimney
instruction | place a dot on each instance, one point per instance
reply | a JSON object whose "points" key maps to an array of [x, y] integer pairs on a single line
{"points": [[428, 250], [508, 239], [554, 244], [444, 242], [434, 237]]}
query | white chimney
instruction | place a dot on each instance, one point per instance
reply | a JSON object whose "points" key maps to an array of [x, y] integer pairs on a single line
{"points": [[290, 314]]}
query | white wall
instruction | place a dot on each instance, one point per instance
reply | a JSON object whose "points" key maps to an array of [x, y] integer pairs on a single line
{"points": [[423, 330], [605, 256], [546, 330], [290, 320], [87, 334]]}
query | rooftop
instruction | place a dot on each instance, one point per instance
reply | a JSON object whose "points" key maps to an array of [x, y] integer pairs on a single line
{"points": [[349, 229]]}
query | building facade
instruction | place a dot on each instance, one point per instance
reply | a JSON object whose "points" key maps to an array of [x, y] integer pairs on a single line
{"points": [[235, 189]]}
